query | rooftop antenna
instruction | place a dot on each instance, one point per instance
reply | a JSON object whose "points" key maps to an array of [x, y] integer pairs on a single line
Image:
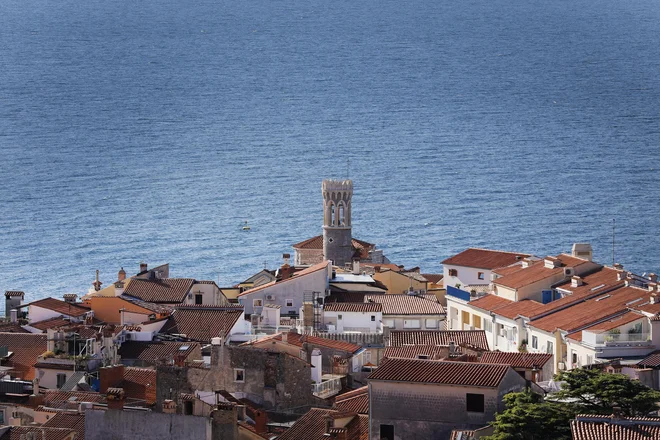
{"points": [[348, 168], [613, 232], [265, 265]]}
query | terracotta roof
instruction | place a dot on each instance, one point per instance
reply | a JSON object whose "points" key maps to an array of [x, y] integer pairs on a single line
{"points": [[650, 361], [68, 420], [590, 311], [155, 351], [526, 307], [26, 348], [312, 425], [139, 384], [537, 272], [298, 340], [364, 307], [63, 307], [476, 338], [607, 325], [56, 398], [607, 427], [434, 278], [394, 304], [441, 372], [484, 258], [357, 404], [10, 293], [12, 327], [508, 270], [40, 432], [434, 352], [317, 244], [53, 366], [152, 307], [516, 360], [166, 290], [202, 324], [50, 323], [490, 302], [319, 266]]}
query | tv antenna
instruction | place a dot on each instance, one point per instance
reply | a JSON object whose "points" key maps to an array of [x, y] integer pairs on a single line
{"points": [[613, 235]]}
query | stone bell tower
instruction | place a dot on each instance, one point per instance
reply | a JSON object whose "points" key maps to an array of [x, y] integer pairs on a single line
{"points": [[337, 236]]}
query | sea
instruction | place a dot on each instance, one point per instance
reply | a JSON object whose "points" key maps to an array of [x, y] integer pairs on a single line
{"points": [[151, 130]]}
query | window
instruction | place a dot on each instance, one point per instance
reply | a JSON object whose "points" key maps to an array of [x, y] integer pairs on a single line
{"points": [[289, 303], [411, 323], [257, 302], [422, 356], [481, 275], [188, 408], [239, 375], [373, 318], [339, 317], [550, 348], [388, 323], [535, 342], [574, 359], [476, 321], [386, 432], [488, 325], [431, 323], [453, 273], [61, 379], [475, 402], [199, 299]]}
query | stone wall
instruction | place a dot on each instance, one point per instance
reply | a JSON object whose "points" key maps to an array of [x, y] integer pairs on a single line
{"points": [[131, 425]]}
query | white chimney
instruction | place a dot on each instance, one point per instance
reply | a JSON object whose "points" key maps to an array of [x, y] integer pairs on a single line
{"points": [[526, 263], [583, 251], [14, 315], [551, 262], [119, 288], [216, 341], [317, 365], [576, 281], [356, 267]]}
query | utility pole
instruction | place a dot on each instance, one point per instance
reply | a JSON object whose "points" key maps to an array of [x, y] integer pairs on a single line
{"points": [[613, 232]]}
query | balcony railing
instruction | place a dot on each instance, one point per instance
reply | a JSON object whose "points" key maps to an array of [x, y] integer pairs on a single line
{"points": [[614, 340], [327, 388]]}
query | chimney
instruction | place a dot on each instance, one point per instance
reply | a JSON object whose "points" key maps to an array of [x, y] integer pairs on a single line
{"points": [[119, 288], [621, 274], [97, 283], [551, 262], [217, 351], [110, 377], [526, 263], [328, 424], [618, 266], [285, 259], [285, 337], [576, 281], [317, 365], [70, 297], [452, 348], [143, 266], [169, 406], [13, 298], [653, 299], [14, 315], [180, 360], [35, 400], [121, 275], [617, 414], [582, 251], [653, 277], [260, 421], [115, 398], [356, 267]]}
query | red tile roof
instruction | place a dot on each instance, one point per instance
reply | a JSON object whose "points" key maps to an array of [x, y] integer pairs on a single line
{"points": [[139, 386], [50, 323], [25, 349], [63, 307], [311, 269], [475, 338], [155, 351], [434, 278], [484, 258], [394, 304], [606, 428], [590, 311], [317, 244], [441, 372], [166, 290], [650, 361], [12, 327], [609, 324], [39, 432], [58, 398], [516, 360], [526, 308], [312, 426], [298, 340], [364, 307], [490, 302], [356, 401], [434, 352], [537, 272], [202, 324], [68, 420]]}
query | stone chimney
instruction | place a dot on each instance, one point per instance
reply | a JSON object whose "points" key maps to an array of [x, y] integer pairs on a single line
{"points": [[169, 406], [224, 421], [217, 351], [13, 298], [576, 281], [115, 398], [143, 266], [285, 271], [70, 297], [121, 275]]}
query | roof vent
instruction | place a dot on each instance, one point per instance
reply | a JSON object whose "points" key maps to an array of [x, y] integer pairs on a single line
{"points": [[576, 281]]}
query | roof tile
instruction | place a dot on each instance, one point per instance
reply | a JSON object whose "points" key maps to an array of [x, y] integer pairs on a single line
{"points": [[26, 348], [516, 360], [364, 307], [484, 258], [202, 324], [166, 290], [394, 304], [476, 338]]}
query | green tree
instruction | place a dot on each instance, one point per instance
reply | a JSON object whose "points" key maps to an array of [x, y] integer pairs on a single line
{"points": [[529, 417], [595, 392]]}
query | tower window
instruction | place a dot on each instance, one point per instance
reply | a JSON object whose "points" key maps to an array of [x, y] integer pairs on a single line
{"points": [[342, 219]]}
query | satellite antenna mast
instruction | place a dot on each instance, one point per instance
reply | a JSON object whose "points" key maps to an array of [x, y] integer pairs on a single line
{"points": [[613, 231]]}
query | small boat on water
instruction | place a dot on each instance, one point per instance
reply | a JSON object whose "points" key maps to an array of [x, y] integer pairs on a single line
{"points": [[246, 227]]}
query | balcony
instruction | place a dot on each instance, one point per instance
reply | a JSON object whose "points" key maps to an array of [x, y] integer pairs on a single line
{"points": [[330, 385], [616, 340]]}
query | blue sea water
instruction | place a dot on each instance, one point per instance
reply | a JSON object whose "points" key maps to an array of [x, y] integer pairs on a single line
{"points": [[150, 130]]}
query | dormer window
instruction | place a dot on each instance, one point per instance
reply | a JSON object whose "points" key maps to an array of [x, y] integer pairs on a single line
{"points": [[453, 272]]}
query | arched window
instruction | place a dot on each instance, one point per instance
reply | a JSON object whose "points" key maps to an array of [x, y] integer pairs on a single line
{"points": [[342, 212], [333, 216]]}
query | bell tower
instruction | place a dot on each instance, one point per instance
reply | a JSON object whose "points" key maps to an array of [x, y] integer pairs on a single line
{"points": [[337, 235]]}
